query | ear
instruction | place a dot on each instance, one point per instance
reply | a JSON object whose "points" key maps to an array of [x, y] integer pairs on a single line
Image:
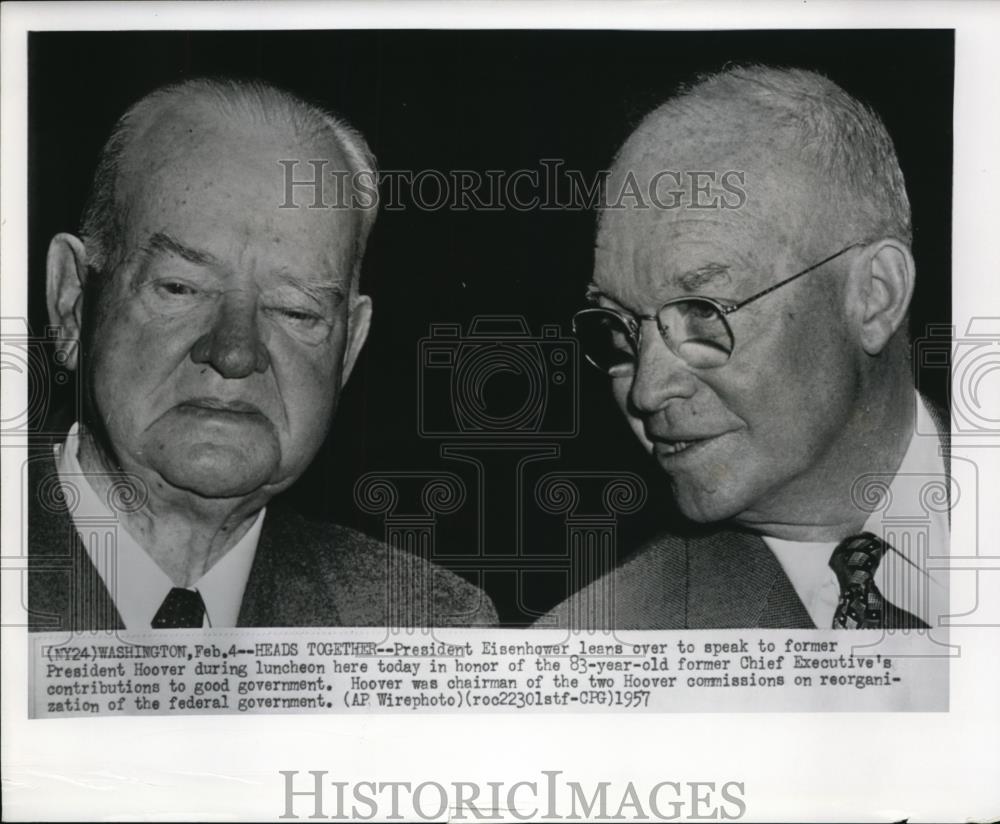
{"points": [[66, 275], [358, 320], [884, 287]]}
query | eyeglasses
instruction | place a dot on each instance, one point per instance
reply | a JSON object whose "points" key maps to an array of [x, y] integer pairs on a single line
{"points": [[694, 328]]}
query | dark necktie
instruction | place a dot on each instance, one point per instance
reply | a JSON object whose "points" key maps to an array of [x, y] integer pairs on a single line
{"points": [[180, 609], [861, 605]]}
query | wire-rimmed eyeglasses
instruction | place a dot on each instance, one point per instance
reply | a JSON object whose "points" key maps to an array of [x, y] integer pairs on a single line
{"points": [[694, 328]]}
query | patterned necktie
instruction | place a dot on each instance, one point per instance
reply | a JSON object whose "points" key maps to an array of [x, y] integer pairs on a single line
{"points": [[182, 608], [861, 605]]}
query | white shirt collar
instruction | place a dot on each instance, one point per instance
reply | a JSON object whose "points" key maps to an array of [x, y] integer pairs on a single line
{"points": [[136, 583], [904, 520]]}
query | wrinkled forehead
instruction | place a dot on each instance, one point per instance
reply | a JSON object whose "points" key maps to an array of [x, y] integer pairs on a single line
{"points": [[218, 178], [710, 215]]}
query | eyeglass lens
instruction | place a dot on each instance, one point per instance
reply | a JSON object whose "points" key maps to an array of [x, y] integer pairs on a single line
{"points": [[694, 330]]}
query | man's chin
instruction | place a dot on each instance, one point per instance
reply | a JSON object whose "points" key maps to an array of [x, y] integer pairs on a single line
{"points": [[211, 470], [215, 485], [215, 454], [705, 507]]}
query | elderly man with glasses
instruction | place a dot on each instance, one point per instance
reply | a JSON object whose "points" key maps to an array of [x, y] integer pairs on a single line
{"points": [[758, 348]]}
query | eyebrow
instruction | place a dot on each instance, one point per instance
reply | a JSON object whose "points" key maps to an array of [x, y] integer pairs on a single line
{"points": [[691, 281], [317, 290], [695, 279], [162, 242]]}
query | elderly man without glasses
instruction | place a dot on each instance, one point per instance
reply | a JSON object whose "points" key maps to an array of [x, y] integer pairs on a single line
{"points": [[213, 332]]}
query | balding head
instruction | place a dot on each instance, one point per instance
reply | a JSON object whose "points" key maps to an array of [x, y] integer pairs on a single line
{"points": [[798, 120], [141, 142]]}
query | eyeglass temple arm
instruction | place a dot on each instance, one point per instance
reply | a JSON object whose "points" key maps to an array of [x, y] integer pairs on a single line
{"points": [[730, 309]]}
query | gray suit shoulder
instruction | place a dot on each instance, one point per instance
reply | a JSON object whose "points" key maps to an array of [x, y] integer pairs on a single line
{"points": [[417, 586], [646, 591], [374, 584]]}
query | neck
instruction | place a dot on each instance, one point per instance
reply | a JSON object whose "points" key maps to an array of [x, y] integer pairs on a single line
{"points": [[829, 502], [185, 534]]}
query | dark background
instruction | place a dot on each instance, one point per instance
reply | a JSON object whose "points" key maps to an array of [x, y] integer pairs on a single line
{"points": [[483, 100]]}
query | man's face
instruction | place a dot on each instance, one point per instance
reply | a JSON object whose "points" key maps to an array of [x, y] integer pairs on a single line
{"points": [[751, 440], [218, 349]]}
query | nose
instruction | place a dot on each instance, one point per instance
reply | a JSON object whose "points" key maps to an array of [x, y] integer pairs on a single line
{"points": [[233, 345], [660, 375]]}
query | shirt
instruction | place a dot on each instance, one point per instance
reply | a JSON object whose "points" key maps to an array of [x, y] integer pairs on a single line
{"points": [[903, 519], [135, 581]]}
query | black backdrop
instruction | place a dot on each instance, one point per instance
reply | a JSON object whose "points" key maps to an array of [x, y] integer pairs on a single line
{"points": [[481, 100]]}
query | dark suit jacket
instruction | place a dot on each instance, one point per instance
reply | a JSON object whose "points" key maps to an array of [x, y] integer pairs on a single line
{"points": [[728, 579], [305, 573]]}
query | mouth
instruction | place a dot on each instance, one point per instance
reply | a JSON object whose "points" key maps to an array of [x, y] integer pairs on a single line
{"points": [[215, 405], [673, 447]]}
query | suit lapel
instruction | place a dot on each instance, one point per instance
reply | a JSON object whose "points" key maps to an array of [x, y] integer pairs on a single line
{"points": [[649, 592], [735, 581], [259, 605], [65, 590], [283, 588]]}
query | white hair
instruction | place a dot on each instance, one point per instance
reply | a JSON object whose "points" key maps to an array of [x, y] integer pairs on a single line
{"points": [[102, 222]]}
